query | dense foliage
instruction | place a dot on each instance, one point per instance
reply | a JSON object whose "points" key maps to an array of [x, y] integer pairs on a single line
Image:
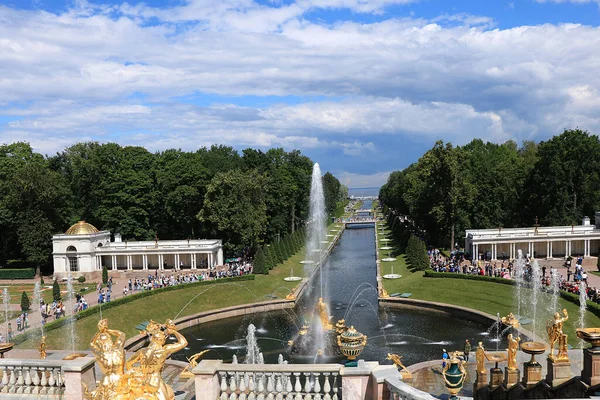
{"points": [[416, 254], [25, 304], [279, 251], [248, 199], [487, 185]]}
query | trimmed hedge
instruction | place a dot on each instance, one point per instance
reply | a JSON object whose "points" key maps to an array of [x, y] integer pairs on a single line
{"points": [[433, 274], [23, 273], [123, 300], [592, 307], [14, 264]]}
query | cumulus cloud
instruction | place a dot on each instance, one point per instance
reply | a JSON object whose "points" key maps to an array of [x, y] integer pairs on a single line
{"points": [[140, 74]]}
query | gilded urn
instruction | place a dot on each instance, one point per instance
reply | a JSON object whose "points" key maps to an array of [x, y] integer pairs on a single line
{"points": [[454, 376], [590, 335], [351, 343]]}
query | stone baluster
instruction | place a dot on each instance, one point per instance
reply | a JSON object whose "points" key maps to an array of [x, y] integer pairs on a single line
{"points": [[260, 387], [288, 383], [35, 380], [20, 381], [243, 383], [317, 387], [270, 384], [233, 384], [12, 381], [43, 381], [297, 385], [326, 387], [279, 383], [223, 376], [224, 396], [4, 380], [242, 396], [28, 381], [251, 396], [335, 386], [307, 385], [251, 384], [232, 396]]}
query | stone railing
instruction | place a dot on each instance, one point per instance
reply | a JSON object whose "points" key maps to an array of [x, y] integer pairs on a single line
{"points": [[399, 390], [46, 378], [216, 380]]}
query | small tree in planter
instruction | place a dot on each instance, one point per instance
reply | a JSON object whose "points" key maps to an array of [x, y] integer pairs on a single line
{"points": [[104, 274]]}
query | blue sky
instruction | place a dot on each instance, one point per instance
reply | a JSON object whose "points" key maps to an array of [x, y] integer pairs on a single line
{"points": [[364, 87]]}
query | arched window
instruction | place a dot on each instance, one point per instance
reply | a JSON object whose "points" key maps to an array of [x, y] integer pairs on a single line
{"points": [[72, 257], [99, 244]]}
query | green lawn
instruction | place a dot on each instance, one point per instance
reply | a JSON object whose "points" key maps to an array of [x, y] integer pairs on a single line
{"points": [[16, 290], [484, 296]]}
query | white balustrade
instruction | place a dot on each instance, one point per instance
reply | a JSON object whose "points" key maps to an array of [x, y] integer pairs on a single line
{"points": [[279, 382], [401, 391]]}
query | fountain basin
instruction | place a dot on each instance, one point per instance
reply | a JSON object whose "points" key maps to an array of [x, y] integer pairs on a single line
{"points": [[392, 276], [5, 347], [292, 279], [307, 262], [385, 240], [386, 248], [590, 335], [389, 259]]}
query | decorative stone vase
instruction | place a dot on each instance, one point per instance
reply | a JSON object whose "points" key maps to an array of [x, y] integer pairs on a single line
{"points": [[454, 376], [351, 343]]}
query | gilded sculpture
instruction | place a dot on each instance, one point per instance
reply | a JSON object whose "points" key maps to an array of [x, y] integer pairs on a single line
{"points": [[193, 361], [325, 319], [139, 377], [513, 348], [42, 348], [554, 327], [397, 360], [480, 357], [511, 320]]}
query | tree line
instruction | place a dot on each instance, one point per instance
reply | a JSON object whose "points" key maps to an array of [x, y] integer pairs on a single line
{"points": [[488, 185], [247, 199]]}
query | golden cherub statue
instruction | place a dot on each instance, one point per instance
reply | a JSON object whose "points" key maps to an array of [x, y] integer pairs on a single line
{"points": [[42, 348], [513, 347], [554, 328], [397, 360], [291, 295]]}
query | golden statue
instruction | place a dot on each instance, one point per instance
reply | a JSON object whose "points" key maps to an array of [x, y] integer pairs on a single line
{"points": [[383, 293], [142, 380], [554, 327], [513, 347], [480, 357], [397, 360], [340, 326], [42, 348], [147, 364], [322, 307], [110, 357], [511, 320], [193, 361], [291, 295]]}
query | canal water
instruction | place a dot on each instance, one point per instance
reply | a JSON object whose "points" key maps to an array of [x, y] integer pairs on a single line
{"points": [[349, 276]]}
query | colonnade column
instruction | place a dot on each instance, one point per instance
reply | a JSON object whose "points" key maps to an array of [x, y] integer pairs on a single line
{"points": [[176, 261], [129, 262], [144, 261], [586, 248], [476, 253], [193, 258], [494, 251], [550, 249], [567, 248], [161, 264], [114, 263]]}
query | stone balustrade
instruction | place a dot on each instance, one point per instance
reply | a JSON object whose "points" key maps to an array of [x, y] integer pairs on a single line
{"points": [[46, 378], [216, 380], [399, 390]]}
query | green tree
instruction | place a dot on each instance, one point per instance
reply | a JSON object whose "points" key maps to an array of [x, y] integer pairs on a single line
{"points": [[104, 274], [235, 208], [56, 291], [25, 304]]}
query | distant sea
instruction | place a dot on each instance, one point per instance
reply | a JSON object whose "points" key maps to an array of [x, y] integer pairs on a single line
{"points": [[368, 191]]}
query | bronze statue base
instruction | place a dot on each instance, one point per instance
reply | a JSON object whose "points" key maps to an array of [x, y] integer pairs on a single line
{"points": [[511, 377], [496, 377], [591, 366], [558, 372], [532, 374]]}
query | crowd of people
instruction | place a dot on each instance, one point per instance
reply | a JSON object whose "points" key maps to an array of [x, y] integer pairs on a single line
{"points": [[457, 263]]}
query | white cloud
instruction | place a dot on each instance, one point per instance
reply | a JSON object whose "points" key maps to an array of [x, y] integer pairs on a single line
{"points": [[100, 71]]}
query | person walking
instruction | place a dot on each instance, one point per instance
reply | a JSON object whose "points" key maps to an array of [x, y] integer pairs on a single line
{"points": [[445, 358], [467, 350]]}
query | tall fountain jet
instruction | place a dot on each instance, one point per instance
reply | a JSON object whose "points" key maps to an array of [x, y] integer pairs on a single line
{"points": [[317, 220]]}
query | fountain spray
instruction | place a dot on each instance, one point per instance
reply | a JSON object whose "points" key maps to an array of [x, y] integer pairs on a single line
{"points": [[582, 307], [253, 353], [6, 299], [37, 301], [317, 218]]}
